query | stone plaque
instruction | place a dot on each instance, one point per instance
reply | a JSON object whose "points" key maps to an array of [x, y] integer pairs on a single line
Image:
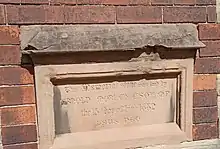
{"points": [[113, 104]]}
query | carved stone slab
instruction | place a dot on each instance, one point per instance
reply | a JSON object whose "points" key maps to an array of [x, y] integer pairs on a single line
{"points": [[97, 106], [55, 38], [114, 105]]}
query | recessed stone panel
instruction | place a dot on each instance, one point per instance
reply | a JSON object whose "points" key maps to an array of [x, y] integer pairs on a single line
{"points": [[114, 105], [96, 106]]}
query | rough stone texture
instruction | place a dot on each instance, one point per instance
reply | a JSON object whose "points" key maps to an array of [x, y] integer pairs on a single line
{"points": [[108, 37]]}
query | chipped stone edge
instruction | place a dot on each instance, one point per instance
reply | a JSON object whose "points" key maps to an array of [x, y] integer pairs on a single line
{"points": [[36, 29]]}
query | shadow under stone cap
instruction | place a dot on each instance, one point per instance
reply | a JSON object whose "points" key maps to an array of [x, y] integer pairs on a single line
{"points": [[68, 38]]}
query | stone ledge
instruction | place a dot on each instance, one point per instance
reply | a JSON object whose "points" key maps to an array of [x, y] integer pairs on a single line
{"points": [[205, 144], [66, 38]]}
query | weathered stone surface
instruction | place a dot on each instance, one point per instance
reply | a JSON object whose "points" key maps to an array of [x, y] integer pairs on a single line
{"points": [[205, 144], [108, 37], [114, 105]]}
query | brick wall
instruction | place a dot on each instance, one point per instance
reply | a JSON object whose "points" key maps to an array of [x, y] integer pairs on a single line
{"points": [[17, 97]]}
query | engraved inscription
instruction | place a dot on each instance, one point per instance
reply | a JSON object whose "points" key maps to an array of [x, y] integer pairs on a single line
{"points": [[89, 107]]}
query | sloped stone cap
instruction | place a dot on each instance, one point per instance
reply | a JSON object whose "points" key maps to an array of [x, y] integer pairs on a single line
{"points": [[64, 38]]}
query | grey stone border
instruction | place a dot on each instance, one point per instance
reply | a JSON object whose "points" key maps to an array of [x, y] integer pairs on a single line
{"points": [[67, 38]]}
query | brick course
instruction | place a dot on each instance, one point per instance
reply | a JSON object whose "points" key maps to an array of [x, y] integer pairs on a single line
{"points": [[205, 115], [212, 49], [207, 65], [15, 75], [184, 14], [205, 98], [9, 35], [204, 82], [22, 146], [205, 131], [17, 95], [18, 115], [136, 14], [19, 134]]}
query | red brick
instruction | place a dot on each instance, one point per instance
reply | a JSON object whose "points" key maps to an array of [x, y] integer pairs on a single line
{"points": [[162, 2], [211, 12], [206, 2], [207, 65], [10, 1], [9, 35], [25, 14], [2, 14], [54, 14], [115, 2], [19, 134], [184, 2], [15, 75], [139, 14], [35, 1], [204, 82], [10, 55], [17, 95], [21, 146], [205, 98], [205, 131], [18, 115], [209, 31], [184, 14], [90, 14], [205, 115], [212, 49], [63, 1]]}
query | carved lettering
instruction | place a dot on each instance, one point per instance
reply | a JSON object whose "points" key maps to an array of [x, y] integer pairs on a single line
{"points": [[116, 104], [114, 85], [75, 100]]}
